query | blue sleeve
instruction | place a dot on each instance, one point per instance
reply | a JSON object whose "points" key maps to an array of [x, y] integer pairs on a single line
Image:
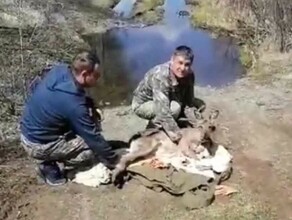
{"points": [[84, 126]]}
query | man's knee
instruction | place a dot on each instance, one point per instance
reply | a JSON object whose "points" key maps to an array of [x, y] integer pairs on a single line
{"points": [[79, 152], [145, 110], [86, 157], [175, 108]]}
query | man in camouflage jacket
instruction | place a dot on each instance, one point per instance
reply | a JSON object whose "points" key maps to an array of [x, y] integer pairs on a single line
{"points": [[167, 93]]}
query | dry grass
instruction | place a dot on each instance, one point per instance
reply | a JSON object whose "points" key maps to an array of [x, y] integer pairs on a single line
{"points": [[272, 18], [33, 34], [272, 66], [263, 29], [209, 13], [242, 206], [142, 6], [146, 11]]}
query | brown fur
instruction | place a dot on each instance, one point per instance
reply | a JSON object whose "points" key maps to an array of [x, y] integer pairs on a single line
{"points": [[190, 144]]}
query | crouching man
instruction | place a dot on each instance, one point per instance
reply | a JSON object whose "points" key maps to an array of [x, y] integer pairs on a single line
{"points": [[167, 93], [59, 123]]}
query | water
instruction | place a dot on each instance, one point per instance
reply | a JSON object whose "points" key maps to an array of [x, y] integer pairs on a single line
{"points": [[127, 53]]}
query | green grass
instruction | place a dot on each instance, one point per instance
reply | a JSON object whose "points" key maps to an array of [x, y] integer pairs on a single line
{"points": [[146, 5], [246, 57]]}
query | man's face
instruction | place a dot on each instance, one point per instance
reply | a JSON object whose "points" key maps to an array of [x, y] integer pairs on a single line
{"points": [[180, 66], [89, 78]]}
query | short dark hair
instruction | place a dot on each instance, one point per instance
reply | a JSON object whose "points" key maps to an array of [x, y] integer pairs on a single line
{"points": [[85, 59], [184, 51]]}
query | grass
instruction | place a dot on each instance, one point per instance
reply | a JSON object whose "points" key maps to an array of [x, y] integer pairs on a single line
{"points": [[209, 13], [143, 6], [146, 11], [246, 57], [261, 56], [26, 47], [272, 66], [243, 206]]}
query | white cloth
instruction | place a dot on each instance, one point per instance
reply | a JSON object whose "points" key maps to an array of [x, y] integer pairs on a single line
{"points": [[206, 165], [97, 175]]}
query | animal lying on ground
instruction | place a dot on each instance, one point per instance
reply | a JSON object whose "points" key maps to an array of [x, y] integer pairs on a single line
{"points": [[194, 140]]}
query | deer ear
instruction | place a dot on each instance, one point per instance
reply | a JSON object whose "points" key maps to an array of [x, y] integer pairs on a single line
{"points": [[214, 114], [198, 115], [202, 108]]}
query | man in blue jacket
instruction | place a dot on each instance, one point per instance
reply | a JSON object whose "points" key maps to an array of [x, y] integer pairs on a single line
{"points": [[59, 122]]}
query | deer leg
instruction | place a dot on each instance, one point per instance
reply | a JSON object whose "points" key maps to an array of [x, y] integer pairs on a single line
{"points": [[141, 151]]}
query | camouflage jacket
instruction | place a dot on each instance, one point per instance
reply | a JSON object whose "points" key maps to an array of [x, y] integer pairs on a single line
{"points": [[162, 87]]}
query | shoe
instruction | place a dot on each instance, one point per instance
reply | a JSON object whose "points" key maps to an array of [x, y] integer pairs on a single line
{"points": [[51, 174]]}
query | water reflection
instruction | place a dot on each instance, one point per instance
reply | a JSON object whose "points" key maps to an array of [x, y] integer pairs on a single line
{"points": [[128, 53], [172, 16]]}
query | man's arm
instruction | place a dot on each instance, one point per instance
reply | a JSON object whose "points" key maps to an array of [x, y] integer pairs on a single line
{"points": [[190, 96], [162, 108], [84, 126], [190, 105]]}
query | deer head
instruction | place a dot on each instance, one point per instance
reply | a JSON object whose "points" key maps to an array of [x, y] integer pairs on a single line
{"points": [[207, 125]]}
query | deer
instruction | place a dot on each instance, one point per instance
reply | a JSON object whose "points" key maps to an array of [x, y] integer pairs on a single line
{"points": [[195, 139]]}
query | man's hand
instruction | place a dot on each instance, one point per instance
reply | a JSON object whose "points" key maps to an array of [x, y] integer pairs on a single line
{"points": [[117, 171], [100, 115], [174, 136]]}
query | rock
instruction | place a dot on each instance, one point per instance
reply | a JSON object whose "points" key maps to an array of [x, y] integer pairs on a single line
{"points": [[104, 3]]}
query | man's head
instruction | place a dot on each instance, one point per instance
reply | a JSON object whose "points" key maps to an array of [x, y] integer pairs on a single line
{"points": [[85, 67], [181, 61]]}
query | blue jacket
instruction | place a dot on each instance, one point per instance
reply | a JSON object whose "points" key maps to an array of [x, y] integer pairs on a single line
{"points": [[59, 106]]}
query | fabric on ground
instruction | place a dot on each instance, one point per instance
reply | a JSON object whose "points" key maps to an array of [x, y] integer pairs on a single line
{"points": [[97, 175], [207, 165], [194, 191], [193, 180]]}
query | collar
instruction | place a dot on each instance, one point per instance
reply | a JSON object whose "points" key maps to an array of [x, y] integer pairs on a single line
{"points": [[75, 82]]}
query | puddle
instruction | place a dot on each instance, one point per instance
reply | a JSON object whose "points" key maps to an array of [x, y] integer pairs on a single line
{"points": [[127, 53]]}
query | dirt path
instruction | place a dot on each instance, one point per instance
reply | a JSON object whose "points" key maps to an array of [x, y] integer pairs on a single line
{"points": [[259, 135], [257, 131], [254, 126]]}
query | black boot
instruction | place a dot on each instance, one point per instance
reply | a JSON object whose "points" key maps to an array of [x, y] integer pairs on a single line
{"points": [[51, 174]]}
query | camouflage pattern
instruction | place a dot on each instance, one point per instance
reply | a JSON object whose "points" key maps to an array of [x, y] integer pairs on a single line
{"points": [[161, 87], [147, 110], [74, 152]]}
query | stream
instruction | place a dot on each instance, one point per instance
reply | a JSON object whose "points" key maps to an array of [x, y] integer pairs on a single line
{"points": [[128, 53]]}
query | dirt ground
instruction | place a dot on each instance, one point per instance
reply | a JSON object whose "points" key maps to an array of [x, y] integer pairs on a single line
{"points": [[254, 125]]}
